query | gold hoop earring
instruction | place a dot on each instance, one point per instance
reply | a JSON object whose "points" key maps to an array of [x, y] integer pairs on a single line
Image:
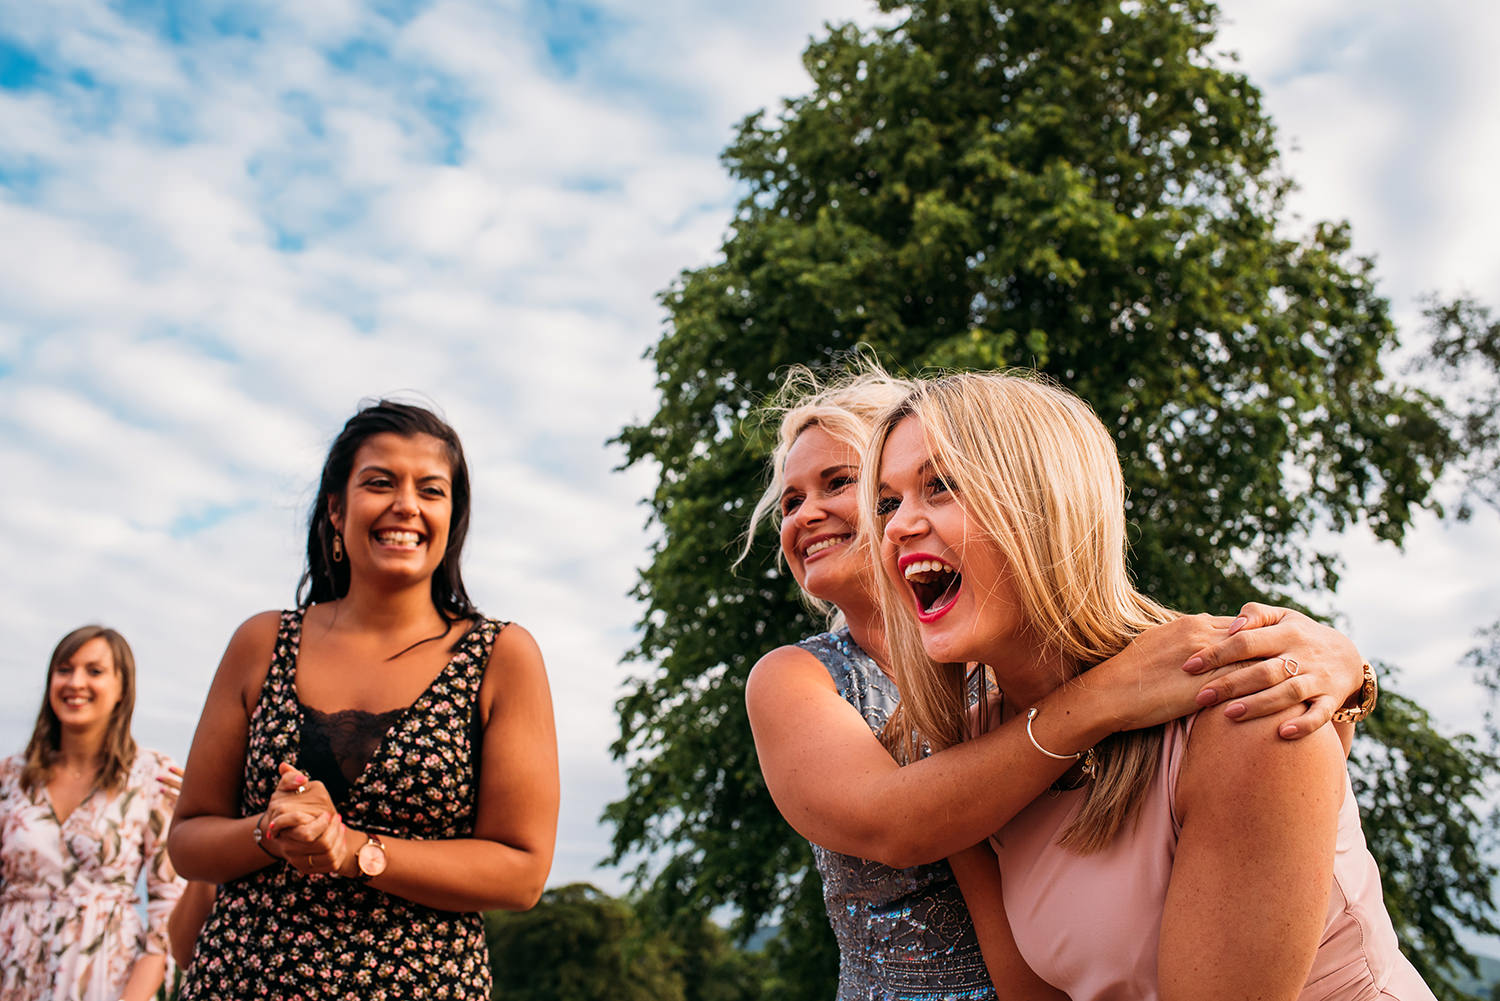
{"points": [[338, 548]]}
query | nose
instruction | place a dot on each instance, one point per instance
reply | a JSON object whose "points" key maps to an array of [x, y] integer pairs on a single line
{"points": [[810, 512], [904, 524], [405, 501]]}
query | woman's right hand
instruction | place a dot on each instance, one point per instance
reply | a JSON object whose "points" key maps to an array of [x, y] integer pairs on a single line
{"points": [[303, 826], [1286, 659], [1241, 663]]}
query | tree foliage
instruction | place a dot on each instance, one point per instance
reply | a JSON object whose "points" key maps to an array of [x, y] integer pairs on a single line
{"points": [[1082, 187], [579, 944], [1422, 794], [1465, 351]]}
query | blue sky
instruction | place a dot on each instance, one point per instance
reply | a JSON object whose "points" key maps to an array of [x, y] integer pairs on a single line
{"points": [[225, 224]]}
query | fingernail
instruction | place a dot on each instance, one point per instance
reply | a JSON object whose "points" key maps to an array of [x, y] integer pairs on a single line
{"points": [[1238, 624], [1193, 664], [1207, 697], [1235, 711], [1288, 731]]}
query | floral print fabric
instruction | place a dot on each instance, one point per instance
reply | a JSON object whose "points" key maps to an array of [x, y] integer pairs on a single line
{"points": [[70, 929], [278, 934]]}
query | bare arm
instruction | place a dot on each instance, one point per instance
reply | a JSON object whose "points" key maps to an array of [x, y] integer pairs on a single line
{"points": [[978, 875], [210, 840], [187, 920], [837, 786], [505, 863], [146, 976], [1254, 863]]}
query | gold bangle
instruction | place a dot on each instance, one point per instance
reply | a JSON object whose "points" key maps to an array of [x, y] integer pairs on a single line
{"points": [[1368, 692], [1090, 762]]}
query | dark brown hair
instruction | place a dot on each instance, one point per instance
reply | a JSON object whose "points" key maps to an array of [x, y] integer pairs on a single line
{"points": [[324, 579]]}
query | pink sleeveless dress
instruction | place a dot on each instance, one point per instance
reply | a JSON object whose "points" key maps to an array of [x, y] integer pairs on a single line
{"points": [[1090, 924]]}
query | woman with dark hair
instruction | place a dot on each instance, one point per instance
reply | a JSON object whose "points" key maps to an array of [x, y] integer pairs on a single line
{"points": [[83, 813], [378, 765]]}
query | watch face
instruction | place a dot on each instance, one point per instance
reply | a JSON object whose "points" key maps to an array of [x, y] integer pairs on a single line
{"points": [[372, 859]]}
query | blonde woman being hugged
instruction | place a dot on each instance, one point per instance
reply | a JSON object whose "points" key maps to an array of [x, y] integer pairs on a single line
{"points": [[378, 765], [879, 831], [83, 814], [1200, 858]]}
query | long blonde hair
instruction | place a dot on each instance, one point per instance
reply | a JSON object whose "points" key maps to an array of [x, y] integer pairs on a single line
{"points": [[1038, 472], [846, 407], [118, 752]]}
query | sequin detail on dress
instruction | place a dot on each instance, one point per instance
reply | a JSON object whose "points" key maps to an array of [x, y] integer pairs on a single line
{"points": [[902, 933], [278, 934]]}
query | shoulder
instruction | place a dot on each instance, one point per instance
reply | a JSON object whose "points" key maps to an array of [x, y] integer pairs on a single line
{"points": [[150, 761], [514, 656], [258, 633], [511, 642], [784, 669], [10, 768], [1224, 758]]}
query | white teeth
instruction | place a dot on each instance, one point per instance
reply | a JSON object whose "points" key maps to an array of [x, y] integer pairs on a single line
{"points": [[926, 566], [822, 544], [395, 538]]}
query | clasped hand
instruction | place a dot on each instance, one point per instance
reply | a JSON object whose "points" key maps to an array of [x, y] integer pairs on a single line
{"points": [[302, 826]]}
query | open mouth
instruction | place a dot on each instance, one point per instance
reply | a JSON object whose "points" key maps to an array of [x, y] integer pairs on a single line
{"points": [[934, 583]]}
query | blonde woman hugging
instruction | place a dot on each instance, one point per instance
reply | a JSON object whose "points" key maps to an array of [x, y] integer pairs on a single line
{"points": [[1201, 858]]}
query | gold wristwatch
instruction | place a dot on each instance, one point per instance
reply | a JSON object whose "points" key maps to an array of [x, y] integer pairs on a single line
{"points": [[371, 858]]}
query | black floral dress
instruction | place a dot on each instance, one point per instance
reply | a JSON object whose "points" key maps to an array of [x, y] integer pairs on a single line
{"points": [[278, 934]]}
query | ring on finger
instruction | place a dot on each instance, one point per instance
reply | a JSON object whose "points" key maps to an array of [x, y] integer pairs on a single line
{"points": [[1290, 665], [303, 787]]}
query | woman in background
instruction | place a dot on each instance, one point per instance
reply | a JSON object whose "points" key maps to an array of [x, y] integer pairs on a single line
{"points": [[83, 813], [879, 831], [375, 767]]}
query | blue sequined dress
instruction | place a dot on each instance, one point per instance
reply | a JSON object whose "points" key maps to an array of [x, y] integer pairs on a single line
{"points": [[902, 933]]}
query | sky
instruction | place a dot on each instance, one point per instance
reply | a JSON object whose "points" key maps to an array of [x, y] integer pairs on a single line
{"points": [[222, 225]]}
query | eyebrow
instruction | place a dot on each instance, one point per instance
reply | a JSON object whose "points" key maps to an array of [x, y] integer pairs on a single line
{"points": [[923, 470], [822, 474], [391, 472]]}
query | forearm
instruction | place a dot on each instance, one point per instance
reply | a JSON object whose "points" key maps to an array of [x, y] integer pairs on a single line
{"points": [[461, 874], [145, 979], [943, 804], [216, 849]]}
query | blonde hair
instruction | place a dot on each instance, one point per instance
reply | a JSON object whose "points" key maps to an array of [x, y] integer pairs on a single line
{"points": [[1038, 472], [118, 753], [846, 406]]}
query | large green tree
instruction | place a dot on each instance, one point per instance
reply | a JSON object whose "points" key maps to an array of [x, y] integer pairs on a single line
{"points": [[1081, 187]]}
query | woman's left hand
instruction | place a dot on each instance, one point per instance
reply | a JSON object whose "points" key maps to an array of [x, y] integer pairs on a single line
{"points": [[1291, 659], [304, 825], [171, 781]]}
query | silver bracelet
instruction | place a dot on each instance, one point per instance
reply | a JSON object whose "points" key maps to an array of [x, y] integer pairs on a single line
{"points": [[1090, 762]]}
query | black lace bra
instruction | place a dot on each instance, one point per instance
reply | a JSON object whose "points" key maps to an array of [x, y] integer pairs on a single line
{"points": [[337, 746]]}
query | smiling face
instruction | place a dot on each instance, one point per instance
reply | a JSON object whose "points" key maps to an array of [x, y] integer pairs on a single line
{"points": [[396, 508], [954, 578], [819, 515], [85, 688]]}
